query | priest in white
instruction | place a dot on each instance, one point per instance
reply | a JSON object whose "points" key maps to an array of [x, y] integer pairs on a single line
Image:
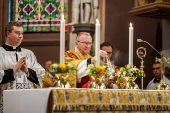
{"points": [[19, 68]]}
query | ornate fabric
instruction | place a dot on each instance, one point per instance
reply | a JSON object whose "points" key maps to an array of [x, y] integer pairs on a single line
{"points": [[48, 81], [73, 57], [72, 100], [39, 15]]}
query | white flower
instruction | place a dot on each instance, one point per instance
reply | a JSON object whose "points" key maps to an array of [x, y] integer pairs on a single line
{"points": [[130, 70], [124, 72], [129, 66], [118, 73], [69, 65], [54, 65], [90, 65]]}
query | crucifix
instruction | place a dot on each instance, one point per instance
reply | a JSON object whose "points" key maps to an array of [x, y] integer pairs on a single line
{"points": [[162, 85]]}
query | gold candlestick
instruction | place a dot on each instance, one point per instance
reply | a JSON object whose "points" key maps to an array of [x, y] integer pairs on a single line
{"points": [[162, 85]]}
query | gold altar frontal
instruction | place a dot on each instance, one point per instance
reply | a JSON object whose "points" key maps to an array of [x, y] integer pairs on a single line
{"points": [[110, 101]]}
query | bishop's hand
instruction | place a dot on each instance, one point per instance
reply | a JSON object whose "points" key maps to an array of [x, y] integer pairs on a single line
{"points": [[103, 55]]}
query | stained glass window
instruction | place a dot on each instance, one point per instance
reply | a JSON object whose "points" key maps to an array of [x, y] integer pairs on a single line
{"points": [[39, 15]]}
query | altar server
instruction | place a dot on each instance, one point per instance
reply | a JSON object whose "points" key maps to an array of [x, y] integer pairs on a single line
{"points": [[19, 68], [157, 77]]}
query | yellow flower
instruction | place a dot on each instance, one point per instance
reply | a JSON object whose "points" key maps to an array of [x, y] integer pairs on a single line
{"points": [[122, 68], [100, 69], [62, 66]]}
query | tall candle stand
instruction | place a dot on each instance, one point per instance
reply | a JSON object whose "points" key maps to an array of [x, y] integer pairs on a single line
{"points": [[141, 53]]}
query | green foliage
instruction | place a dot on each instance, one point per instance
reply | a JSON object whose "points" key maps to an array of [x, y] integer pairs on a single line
{"points": [[130, 70], [61, 68]]}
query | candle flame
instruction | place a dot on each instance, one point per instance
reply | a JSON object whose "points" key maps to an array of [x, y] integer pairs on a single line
{"points": [[130, 24], [97, 21]]}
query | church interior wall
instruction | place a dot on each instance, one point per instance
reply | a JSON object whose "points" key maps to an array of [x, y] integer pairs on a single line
{"points": [[116, 32]]}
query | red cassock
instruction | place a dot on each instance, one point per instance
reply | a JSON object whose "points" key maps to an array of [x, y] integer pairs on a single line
{"points": [[85, 82]]}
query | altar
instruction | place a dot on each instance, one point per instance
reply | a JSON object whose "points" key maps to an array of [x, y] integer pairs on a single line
{"points": [[74, 100]]}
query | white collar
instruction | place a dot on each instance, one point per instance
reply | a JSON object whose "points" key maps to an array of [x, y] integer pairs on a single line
{"points": [[76, 49]]}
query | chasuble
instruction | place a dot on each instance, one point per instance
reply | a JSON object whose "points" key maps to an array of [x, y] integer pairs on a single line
{"points": [[9, 56], [80, 61]]}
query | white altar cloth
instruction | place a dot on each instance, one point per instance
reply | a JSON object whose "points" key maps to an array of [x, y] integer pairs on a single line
{"points": [[26, 100]]}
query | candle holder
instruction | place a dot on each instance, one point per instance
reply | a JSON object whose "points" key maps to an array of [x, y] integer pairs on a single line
{"points": [[98, 73], [61, 72], [141, 53], [130, 73]]}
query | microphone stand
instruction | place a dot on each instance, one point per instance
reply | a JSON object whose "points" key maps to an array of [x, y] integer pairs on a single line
{"points": [[162, 85]]}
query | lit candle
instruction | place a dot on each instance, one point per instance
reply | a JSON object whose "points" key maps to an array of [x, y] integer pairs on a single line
{"points": [[131, 44], [62, 39], [97, 43]]}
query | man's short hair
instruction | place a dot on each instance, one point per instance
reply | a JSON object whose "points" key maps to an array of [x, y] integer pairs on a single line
{"points": [[9, 26], [105, 44], [157, 62], [82, 33]]}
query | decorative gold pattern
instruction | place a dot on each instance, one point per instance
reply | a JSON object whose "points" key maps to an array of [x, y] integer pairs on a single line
{"points": [[98, 82], [62, 80], [109, 100], [130, 84], [73, 57]]}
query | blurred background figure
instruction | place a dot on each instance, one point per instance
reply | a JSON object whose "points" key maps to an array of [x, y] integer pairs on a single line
{"points": [[118, 58]]}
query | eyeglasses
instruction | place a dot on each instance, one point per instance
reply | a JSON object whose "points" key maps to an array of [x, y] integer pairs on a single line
{"points": [[86, 43], [109, 52], [156, 68], [18, 33]]}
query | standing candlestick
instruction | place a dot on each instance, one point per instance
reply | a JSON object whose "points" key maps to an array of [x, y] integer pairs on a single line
{"points": [[97, 42], [62, 39], [131, 44]]}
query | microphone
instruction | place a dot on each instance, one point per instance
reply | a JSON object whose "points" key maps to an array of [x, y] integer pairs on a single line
{"points": [[140, 40]]}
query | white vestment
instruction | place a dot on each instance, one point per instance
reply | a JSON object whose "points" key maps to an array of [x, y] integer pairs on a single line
{"points": [[152, 85], [8, 59]]}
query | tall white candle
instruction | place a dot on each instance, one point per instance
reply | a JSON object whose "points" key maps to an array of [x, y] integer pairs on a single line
{"points": [[62, 40], [131, 44], [97, 42], [62, 6]]}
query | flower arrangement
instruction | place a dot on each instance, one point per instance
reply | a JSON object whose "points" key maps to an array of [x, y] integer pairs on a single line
{"points": [[130, 70], [93, 70], [61, 68]]}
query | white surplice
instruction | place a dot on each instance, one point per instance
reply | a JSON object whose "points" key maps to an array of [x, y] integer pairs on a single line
{"points": [[152, 85], [8, 61]]}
